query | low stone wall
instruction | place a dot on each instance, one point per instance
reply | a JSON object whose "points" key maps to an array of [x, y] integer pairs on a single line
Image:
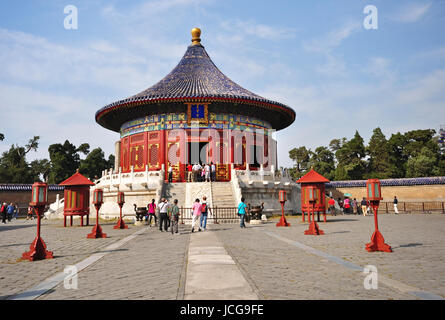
{"points": [[21, 194], [406, 190]]}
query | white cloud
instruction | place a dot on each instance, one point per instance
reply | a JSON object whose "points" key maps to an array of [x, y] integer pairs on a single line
{"points": [[412, 12]]}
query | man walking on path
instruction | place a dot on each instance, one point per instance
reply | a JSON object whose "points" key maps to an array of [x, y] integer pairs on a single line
{"points": [[242, 210], [396, 210], [364, 204], [163, 206], [174, 217], [205, 208], [10, 211], [197, 208]]}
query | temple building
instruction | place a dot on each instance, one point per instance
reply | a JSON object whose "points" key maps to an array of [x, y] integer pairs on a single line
{"points": [[195, 114]]}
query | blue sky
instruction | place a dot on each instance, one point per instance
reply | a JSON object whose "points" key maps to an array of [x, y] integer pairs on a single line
{"points": [[314, 56]]}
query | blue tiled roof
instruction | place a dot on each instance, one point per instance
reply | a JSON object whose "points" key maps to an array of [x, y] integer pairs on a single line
{"points": [[27, 187], [389, 182], [196, 76]]}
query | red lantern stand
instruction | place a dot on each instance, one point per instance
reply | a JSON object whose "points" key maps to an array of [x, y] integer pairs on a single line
{"points": [[282, 199], [77, 198], [97, 201], [120, 201], [374, 192], [39, 200], [317, 181], [313, 226]]}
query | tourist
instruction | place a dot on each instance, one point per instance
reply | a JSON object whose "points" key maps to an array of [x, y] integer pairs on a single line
{"points": [[29, 215], [152, 212], [3, 212], [16, 211], [163, 207], [331, 203], [10, 211], [347, 205], [364, 204], [242, 211], [207, 172], [174, 217], [189, 173], [170, 174], [213, 171], [340, 204], [396, 210], [196, 211], [205, 209], [203, 173], [168, 213], [354, 206], [195, 172]]}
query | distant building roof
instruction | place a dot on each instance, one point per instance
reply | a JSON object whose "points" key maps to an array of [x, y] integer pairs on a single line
{"points": [[312, 177], [28, 187], [389, 182], [77, 179]]}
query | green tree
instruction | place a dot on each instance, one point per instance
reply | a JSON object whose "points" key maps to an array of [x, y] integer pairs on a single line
{"points": [[94, 164], [379, 165], [41, 168], [322, 160], [301, 156], [13, 165], [351, 165], [65, 159], [422, 165], [14, 168]]}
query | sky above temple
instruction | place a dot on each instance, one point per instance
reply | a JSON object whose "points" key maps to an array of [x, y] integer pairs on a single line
{"points": [[315, 56]]}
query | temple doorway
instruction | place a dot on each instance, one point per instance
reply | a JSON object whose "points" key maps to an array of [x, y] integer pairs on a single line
{"points": [[197, 152]]}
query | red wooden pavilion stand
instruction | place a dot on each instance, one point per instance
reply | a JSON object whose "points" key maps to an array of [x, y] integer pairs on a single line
{"points": [[98, 199], [374, 192], [39, 200], [120, 201], [312, 199], [282, 199], [316, 182], [77, 198]]}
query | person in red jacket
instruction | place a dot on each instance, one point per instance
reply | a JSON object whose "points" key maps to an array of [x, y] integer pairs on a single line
{"points": [[3, 212], [331, 203]]}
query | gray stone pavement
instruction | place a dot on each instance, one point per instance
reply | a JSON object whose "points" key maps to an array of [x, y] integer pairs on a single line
{"points": [[284, 271], [153, 265]]}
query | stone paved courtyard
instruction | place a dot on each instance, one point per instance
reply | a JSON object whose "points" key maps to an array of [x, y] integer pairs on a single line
{"points": [[278, 263]]}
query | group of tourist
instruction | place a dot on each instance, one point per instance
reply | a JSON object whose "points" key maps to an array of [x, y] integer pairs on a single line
{"points": [[9, 212], [168, 214], [201, 173], [348, 206]]}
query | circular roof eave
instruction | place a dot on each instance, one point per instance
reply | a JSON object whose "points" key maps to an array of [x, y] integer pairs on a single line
{"points": [[120, 106]]}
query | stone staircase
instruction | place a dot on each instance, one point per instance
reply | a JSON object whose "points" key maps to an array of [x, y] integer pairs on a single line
{"points": [[222, 195], [172, 191]]}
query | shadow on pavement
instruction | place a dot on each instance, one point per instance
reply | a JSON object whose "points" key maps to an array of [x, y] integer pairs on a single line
{"points": [[13, 227]]}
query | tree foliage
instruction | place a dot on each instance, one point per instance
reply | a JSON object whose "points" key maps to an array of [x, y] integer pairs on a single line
{"points": [[416, 153]]}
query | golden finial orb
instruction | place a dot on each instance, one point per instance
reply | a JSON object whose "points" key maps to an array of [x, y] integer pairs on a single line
{"points": [[196, 33]]}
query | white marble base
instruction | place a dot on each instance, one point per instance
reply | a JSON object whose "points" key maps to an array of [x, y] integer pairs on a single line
{"points": [[253, 222]]}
